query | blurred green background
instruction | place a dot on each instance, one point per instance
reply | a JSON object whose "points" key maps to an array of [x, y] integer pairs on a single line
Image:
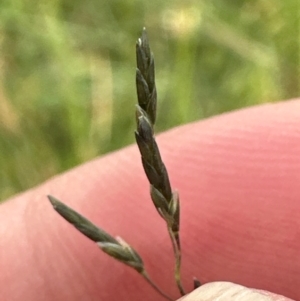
{"points": [[67, 67]]}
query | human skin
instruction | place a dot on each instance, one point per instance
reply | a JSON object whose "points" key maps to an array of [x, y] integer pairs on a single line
{"points": [[238, 179]]}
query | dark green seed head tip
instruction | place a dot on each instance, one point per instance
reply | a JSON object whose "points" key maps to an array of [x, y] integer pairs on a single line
{"points": [[197, 283], [58, 205], [54, 202]]}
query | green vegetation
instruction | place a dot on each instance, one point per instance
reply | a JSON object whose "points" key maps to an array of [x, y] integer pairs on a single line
{"points": [[67, 89]]}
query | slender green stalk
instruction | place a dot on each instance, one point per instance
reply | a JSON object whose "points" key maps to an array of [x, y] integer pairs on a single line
{"points": [[164, 199], [148, 279], [177, 252]]}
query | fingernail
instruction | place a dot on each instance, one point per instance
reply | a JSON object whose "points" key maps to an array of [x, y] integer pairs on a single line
{"points": [[224, 291]]}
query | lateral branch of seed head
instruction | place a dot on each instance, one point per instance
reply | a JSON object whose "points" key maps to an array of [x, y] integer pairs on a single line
{"points": [[114, 247], [164, 199]]}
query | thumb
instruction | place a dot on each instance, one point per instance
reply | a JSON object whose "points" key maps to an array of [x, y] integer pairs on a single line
{"points": [[227, 291]]}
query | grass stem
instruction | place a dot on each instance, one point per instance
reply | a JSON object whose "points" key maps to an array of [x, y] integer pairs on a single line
{"points": [[177, 252], [162, 293]]}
